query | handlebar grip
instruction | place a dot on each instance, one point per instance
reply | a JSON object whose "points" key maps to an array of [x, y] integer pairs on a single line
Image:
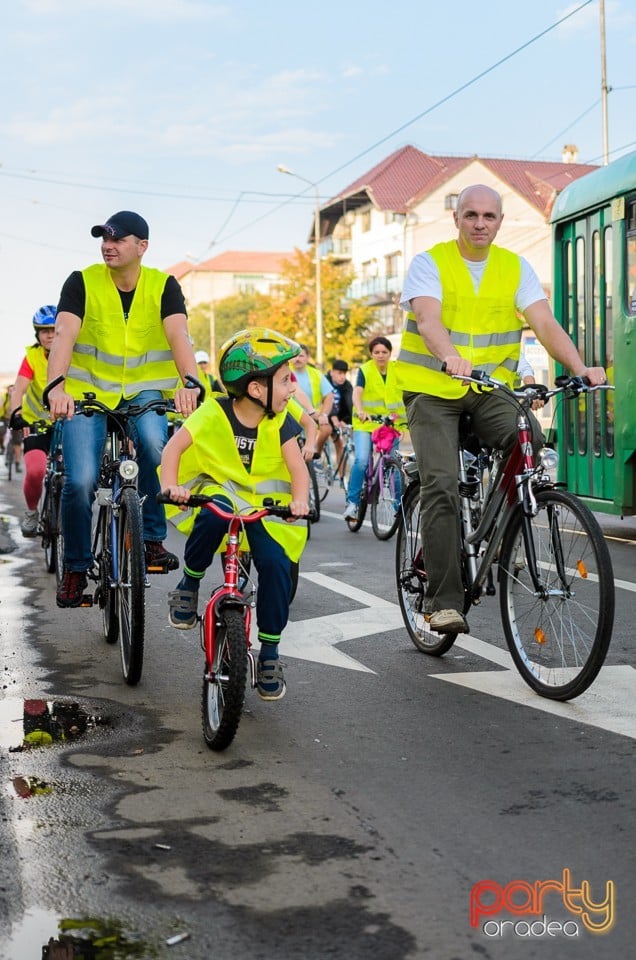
{"points": [[48, 388], [192, 382]]}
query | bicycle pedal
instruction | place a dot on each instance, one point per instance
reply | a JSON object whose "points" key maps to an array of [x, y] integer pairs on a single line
{"points": [[87, 600], [156, 568]]}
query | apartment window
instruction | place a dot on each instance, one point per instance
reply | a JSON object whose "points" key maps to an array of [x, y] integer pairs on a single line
{"points": [[392, 265], [450, 201], [365, 220]]}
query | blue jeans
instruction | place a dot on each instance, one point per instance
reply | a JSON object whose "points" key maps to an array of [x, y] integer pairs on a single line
{"points": [[362, 444], [83, 440], [271, 561]]}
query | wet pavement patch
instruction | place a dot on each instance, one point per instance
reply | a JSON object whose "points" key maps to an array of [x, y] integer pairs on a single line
{"points": [[32, 723]]}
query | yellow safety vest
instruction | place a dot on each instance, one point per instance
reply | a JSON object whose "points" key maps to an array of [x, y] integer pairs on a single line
{"points": [[315, 377], [380, 397], [114, 357], [484, 327], [32, 407], [212, 465]]}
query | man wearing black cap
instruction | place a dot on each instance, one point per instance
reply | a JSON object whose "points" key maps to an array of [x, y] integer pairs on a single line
{"points": [[122, 334]]}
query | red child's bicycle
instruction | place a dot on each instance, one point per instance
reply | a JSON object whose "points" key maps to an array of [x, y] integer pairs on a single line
{"points": [[225, 626]]}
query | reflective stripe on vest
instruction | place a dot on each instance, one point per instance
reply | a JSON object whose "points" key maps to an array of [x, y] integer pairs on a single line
{"points": [[380, 397], [212, 465], [115, 357], [32, 407], [484, 327]]}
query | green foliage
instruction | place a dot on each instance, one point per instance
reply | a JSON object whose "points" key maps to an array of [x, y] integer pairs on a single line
{"points": [[291, 309]]}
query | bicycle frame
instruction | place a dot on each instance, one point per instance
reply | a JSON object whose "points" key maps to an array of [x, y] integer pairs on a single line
{"points": [[229, 594]]}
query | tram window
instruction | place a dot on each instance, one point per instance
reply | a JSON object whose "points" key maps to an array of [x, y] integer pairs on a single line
{"points": [[631, 257], [608, 359], [581, 426], [596, 335]]}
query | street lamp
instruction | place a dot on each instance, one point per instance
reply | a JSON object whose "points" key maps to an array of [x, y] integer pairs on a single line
{"points": [[319, 331]]}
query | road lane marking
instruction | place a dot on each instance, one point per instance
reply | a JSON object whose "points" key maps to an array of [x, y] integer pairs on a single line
{"points": [[610, 703]]}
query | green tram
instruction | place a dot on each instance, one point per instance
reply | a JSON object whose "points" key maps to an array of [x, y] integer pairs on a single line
{"points": [[594, 299]]}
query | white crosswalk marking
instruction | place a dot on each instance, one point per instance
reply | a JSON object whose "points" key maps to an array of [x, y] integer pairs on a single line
{"points": [[610, 703]]}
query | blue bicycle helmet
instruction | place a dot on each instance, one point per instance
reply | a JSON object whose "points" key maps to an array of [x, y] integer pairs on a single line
{"points": [[44, 317]]}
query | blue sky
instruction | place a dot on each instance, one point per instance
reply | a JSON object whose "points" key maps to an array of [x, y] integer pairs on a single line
{"points": [[182, 110]]}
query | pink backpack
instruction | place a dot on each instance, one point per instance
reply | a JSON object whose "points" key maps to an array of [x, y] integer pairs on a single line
{"points": [[384, 437]]}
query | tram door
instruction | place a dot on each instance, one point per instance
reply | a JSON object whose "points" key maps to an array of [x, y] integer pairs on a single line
{"points": [[588, 444]]}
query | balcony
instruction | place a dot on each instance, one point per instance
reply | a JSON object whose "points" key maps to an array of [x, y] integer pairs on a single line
{"points": [[375, 289], [334, 249]]}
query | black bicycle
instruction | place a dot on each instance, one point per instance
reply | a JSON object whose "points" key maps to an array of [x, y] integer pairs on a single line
{"points": [[119, 570], [556, 585]]}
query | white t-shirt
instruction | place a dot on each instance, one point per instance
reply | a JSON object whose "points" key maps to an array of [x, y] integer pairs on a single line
{"points": [[423, 280]]}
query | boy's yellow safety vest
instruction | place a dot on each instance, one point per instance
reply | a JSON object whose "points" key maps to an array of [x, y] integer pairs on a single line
{"points": [[212, 465]]}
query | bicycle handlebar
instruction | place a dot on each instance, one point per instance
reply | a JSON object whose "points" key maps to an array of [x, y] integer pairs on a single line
{"points": [[269, 508], [190, 382], [573, 386]]}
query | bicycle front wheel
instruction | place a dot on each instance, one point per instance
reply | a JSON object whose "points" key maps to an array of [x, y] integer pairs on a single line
{"points": [[224, 681], [314, 492], [47, 513], [385, 499], [558, 635], [106, 591], [58, 535], [131, 586], [412, 581], [324, 474]]}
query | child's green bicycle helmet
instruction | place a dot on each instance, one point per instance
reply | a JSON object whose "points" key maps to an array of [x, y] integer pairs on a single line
{"points": [[251, 354]]}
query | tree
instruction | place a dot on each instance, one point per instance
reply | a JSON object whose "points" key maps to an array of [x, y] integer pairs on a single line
{"points": [[231, 314], [292, 308]]}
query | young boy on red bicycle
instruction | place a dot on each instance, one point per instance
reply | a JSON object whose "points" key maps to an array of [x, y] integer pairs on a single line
{"points": [[244, 448]]}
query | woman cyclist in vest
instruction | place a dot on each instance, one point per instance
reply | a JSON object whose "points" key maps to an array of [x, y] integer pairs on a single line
{"points": [[244, 448], [26, 406], [375, 393]]}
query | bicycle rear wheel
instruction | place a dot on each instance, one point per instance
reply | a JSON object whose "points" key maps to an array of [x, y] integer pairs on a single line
{"points": [[131, 586], [224, 681], [412, 581], [558, 639], [385, 499]]}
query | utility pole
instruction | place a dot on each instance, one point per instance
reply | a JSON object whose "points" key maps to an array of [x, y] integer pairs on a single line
{"points": [[604, 87]]}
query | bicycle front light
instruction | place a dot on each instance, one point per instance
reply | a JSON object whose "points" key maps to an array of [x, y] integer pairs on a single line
{"points": [[128, 470], [549, 459]]}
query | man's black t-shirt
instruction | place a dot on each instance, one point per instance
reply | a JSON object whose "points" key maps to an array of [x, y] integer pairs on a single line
{"points": [[73, 297], [245, 437], [342, 400]]}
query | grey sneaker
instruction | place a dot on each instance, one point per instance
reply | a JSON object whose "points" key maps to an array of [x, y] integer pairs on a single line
{"points": [[447, 621], [351, 512], [270, 680], [29, 523]]}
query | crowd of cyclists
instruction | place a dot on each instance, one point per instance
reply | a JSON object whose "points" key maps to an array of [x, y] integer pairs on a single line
{"points": [[120, 331]]}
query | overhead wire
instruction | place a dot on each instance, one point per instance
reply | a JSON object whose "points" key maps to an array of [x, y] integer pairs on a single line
{"points": [[420, 116]]}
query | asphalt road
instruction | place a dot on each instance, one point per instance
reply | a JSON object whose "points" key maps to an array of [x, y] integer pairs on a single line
{"points": [[359, 817]]}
